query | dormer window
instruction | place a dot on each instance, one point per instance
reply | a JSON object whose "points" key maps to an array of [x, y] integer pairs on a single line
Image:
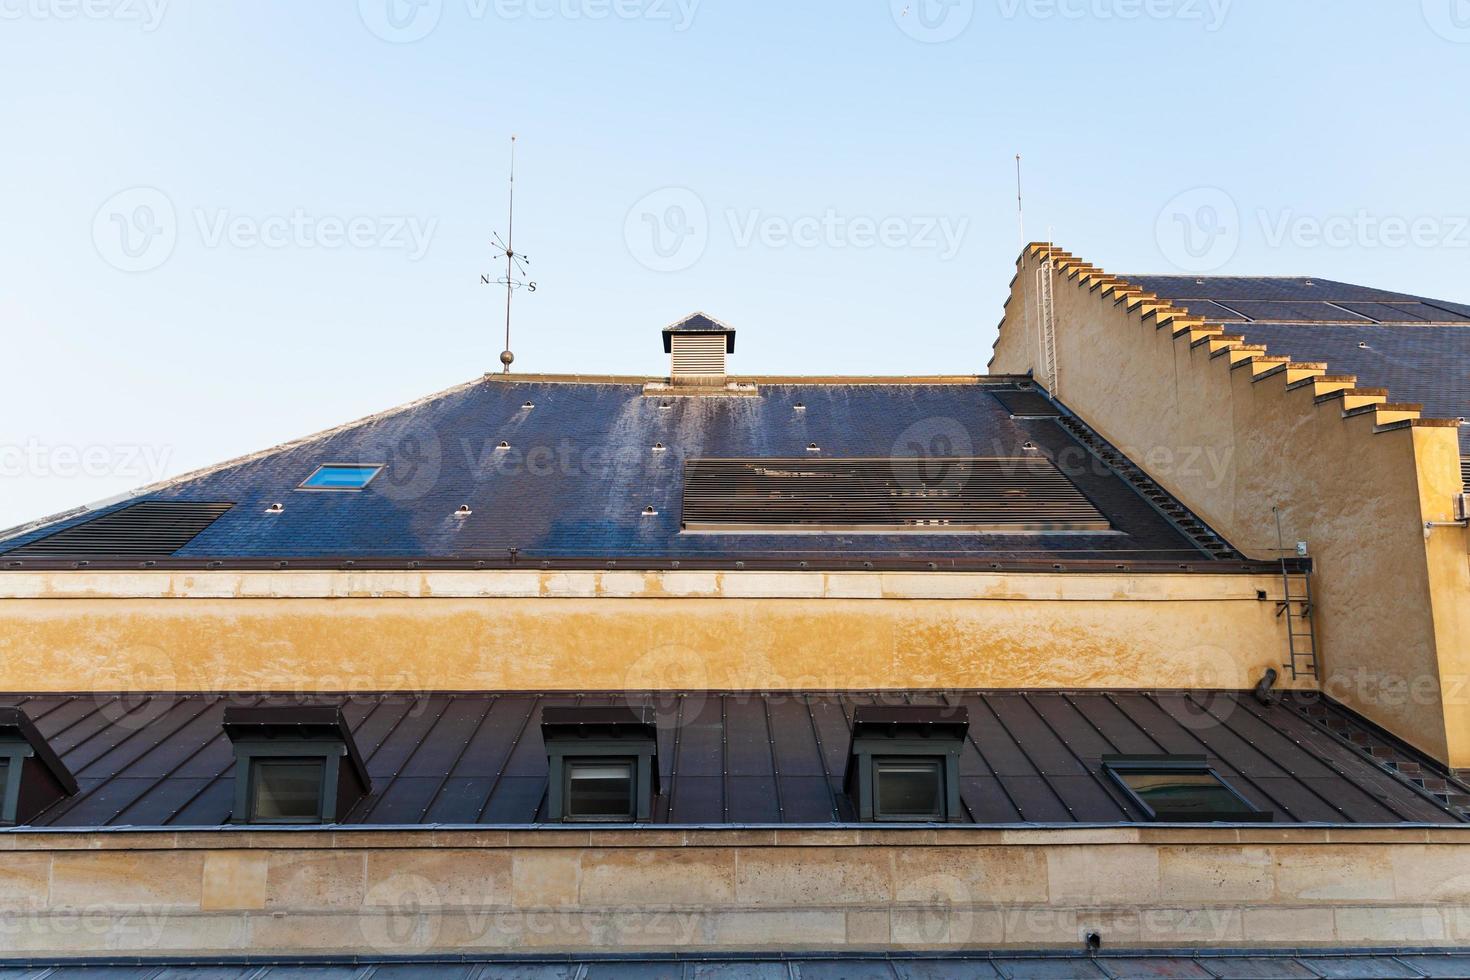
{"points": [[904, 762], [603, 763], [1181, 789], [340, 476], [32, 778], [294, 765]]}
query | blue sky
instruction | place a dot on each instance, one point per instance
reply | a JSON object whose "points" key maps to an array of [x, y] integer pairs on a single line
{"points": [[224, 226]]}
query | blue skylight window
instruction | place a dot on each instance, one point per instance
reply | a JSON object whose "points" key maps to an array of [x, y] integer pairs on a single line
{"points": [[340, 476]]}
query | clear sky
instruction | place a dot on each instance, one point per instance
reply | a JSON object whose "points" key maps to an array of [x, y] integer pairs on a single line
{"points": [[227, 225]]}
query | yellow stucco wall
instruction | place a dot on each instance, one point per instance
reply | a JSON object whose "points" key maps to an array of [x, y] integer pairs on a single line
{"points": [[1231, 441], [340, 631]]}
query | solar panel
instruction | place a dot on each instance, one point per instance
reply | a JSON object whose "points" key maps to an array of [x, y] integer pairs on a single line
{"points": [[948, 494], [150, 528], [1209, 310], [1405, 313], [1311, 312]]}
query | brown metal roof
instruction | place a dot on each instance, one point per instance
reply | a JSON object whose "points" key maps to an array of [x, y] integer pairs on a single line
{"points": [[478, 758]]}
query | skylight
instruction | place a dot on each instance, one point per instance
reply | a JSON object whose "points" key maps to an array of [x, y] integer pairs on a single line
{"points": [[340, 476], [1180, 788]]}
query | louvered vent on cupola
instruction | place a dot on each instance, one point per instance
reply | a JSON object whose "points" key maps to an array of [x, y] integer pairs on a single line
{"points": [[152, 528], [698, 345]]}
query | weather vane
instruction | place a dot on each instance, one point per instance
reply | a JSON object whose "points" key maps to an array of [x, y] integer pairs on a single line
{"points": [[515, 262]]}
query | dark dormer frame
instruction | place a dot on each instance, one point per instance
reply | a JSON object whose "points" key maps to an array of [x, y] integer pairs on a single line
{"points": [[35, 778], [881, 731], [593, 732], [314, 733], [1117, 765]]}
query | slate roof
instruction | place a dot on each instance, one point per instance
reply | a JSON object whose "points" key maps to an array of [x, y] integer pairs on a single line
{"points": [[743, 758], [580, 469], [1417, 348], [1122, 964]]}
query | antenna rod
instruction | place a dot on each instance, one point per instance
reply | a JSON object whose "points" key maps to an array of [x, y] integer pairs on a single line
{"points": [[1020, 213], [506, 357]]}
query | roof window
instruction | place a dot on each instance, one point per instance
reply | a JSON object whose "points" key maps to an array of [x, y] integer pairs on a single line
{"points": [[340, 476], [1181, 789]]}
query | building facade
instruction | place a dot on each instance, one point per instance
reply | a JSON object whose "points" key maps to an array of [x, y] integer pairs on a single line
{"points": [[714, 666]]}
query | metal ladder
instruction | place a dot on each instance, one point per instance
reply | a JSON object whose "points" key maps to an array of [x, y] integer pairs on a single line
{"points": [[1046, 323], [1301, 638]]}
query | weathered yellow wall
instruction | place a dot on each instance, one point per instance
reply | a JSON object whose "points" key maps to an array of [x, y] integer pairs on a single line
{"points": [[486, 890], [336, 631], [1393, 602]]}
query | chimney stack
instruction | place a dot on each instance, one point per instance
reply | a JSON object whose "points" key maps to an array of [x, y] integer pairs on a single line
{"points": [[698, 345]]}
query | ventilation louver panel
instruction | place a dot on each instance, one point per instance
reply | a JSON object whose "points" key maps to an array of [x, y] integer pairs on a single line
{"points": [[151, 528], [877, 495], [699, 355]]}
